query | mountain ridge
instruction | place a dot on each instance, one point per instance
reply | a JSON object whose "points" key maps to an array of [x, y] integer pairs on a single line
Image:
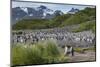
{"points": [[41, 12]]}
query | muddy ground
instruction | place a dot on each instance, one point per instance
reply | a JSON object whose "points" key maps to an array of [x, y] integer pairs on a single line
{"points": [[86, 56]]}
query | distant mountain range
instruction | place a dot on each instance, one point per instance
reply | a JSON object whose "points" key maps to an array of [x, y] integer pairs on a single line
{"points": [[41, 12]]}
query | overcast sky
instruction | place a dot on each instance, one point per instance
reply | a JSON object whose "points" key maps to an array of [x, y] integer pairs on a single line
{"points": [[54, 7]]}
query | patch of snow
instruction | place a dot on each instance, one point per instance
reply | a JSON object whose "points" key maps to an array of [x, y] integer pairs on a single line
{"points": [[24, 9], [16, 18], [31, 15]]}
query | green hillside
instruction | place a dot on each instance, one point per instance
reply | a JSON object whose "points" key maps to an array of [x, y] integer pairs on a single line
{"points": [[82, 16], [31, 24], [90, 25]]}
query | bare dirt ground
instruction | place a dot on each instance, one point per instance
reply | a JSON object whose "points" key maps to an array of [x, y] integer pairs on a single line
{"points": [[87, 56]]}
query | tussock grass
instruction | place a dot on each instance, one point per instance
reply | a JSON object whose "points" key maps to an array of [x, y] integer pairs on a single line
{"points": [[40, 53]]}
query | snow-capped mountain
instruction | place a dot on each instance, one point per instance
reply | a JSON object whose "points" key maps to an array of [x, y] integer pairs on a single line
{"points": [[73, 11], [41, 12], [29, 12], [17, 14]]}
